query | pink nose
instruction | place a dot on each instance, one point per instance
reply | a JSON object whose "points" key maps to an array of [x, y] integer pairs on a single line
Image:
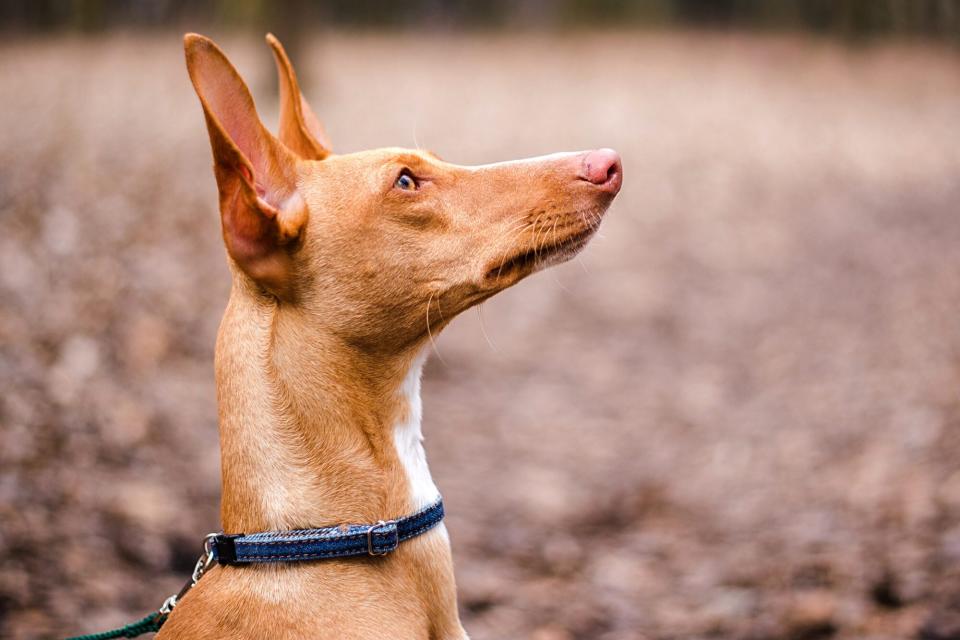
{"points": [[602, 168]]}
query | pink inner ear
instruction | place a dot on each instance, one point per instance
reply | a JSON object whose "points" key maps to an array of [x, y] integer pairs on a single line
{"points": [[259, 188], [230, 103]]}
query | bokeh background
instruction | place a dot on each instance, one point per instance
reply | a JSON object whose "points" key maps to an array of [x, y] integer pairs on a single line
{"points": [[735, 416]]}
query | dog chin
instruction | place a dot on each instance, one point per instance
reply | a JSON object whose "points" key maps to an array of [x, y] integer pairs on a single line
{"points": [[567, 249]]}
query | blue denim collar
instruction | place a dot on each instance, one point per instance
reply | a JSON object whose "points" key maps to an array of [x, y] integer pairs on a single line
{"points": [[377, 539]]}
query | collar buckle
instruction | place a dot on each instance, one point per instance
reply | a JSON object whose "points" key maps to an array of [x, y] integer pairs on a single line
{"points": [[387, 530]]}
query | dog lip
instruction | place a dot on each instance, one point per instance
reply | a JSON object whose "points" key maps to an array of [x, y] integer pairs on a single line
{"points": [[541, 256], [575, 240]]}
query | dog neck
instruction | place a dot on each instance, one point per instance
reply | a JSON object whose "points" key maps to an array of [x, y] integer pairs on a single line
{"points": [[313, 431]]}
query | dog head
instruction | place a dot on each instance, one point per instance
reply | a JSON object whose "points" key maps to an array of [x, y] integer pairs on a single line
{"points": [[382, 247]]}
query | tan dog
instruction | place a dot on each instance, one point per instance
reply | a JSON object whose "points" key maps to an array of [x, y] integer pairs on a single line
{"points": [[344, 267]]}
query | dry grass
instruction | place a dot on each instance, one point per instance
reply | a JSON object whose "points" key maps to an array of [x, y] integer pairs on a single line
{"points": [[736, 417]]}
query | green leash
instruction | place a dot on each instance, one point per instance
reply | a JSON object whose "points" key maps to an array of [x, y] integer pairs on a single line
{"points": [[153, 622], [150, 624]]}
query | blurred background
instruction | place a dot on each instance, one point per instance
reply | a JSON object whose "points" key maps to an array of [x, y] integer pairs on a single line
{"points": [[735, 416]]}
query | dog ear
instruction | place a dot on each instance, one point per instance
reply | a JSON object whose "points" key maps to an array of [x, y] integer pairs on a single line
{"points": [[300, 129], [260, 209]]}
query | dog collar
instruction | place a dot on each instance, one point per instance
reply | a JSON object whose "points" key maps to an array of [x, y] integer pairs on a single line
{"points": [[342, 541]]}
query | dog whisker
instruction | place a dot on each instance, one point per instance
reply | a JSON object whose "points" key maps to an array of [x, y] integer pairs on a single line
{"points": [[433, 343], [517, 232], [582, 264], [483, 329]]}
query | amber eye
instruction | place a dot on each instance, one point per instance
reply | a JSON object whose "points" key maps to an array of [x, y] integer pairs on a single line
{"points": [[405, 181]]}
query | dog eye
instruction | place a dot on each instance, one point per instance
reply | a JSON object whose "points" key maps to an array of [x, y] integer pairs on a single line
{"points": [[405, 181]]}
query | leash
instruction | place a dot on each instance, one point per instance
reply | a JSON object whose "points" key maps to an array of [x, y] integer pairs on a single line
{"points": [[341, 541], [149, 624]]}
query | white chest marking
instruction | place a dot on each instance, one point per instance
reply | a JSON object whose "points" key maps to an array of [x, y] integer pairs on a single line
{"points": [[408, 439]]}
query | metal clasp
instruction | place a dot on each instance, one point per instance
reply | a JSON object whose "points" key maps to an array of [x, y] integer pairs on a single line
{"points": [[204, 562]]}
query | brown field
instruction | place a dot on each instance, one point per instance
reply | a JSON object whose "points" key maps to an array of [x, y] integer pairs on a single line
{"points": [[736, 416]]}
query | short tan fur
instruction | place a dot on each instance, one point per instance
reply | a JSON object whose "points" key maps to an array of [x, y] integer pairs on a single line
{"points": [[344, 268]]}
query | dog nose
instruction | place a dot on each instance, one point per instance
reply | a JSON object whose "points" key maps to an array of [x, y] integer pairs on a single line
{"points": [[602, 168]]}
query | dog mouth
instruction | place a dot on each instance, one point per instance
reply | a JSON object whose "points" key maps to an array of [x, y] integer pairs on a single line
{"points": [[541, 256]]}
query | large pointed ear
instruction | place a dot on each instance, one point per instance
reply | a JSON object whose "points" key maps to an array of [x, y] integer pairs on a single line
{"points": [[261, 211], [300, 129]]}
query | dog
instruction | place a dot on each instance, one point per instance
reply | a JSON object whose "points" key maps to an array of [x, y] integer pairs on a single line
{"points": [[344, 269]]}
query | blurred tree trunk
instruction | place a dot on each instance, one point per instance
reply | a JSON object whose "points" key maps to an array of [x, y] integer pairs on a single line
{"points": [[89, 15], [291, 19], [288, 20]]}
